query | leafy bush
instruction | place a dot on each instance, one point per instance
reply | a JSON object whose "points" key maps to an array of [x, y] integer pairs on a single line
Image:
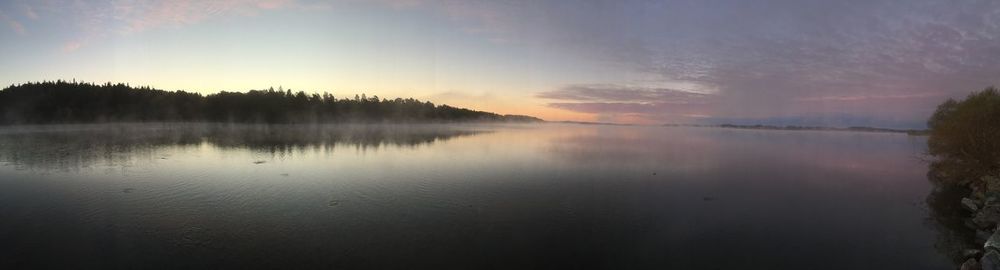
{"points": [[965, 138]]}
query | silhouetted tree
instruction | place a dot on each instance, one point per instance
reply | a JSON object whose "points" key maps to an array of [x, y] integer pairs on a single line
{"points": [[72, 102]]}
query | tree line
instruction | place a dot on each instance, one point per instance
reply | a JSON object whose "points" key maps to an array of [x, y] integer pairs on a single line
{"points": [[73, 102]]}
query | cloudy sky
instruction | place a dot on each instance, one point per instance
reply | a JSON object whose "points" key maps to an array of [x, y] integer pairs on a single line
{"points": [[865, 62]]}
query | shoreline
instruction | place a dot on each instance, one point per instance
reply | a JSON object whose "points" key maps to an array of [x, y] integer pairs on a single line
{"points": [[979, 215], [911, 132]]}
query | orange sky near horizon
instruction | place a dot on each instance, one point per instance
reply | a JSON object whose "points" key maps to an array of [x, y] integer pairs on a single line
{"points": [[836, 63]]}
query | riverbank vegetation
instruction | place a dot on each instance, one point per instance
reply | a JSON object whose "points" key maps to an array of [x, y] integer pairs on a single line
{"points": [[72, 102], [964, 140]]}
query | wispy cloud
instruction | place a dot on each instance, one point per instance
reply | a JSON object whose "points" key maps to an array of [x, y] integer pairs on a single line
{"points": [[27, 10], [30, 12], [496, 20], [870, 97], [764, 58], [13, 24], [142, 16], [102, 19], [620, 93], [72, 46], [642, 104]]}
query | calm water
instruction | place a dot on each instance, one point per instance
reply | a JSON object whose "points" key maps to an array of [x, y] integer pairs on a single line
{"points": [[462, 197]]}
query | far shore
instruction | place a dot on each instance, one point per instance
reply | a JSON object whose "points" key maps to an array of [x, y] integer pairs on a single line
{"points": [[912, 132]]}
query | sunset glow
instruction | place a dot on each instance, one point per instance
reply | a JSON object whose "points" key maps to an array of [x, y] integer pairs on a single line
{"points": [[813, 62]]}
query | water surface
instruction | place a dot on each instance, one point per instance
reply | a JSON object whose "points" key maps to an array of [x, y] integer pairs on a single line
{"points": [[462, 197]]}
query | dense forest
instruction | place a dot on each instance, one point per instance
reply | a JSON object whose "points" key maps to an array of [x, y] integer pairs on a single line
{"points": [[72, 102]]}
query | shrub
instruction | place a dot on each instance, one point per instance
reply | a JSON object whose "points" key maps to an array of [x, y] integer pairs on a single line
{"points": [[965, 137]]}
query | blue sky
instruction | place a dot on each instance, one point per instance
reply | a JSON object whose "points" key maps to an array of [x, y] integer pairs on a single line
{"points": [[822, 62]]}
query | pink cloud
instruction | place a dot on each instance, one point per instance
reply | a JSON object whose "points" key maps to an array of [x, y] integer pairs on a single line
{"points": [[139, 18], [273, 4], [14, 25], [72, 46], [131, 17], [618, 103]]}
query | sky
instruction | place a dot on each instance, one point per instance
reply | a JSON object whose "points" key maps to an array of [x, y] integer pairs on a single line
{"points": [[801, 62]]}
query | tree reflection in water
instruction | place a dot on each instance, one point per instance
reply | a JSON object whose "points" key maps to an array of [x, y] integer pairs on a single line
{"points": [[66, 147], [947, 217]]}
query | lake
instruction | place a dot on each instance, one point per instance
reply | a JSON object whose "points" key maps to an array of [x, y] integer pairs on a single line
{"points": [[462, 196]]}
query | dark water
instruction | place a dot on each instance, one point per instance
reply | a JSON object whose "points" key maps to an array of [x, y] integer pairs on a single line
{"points": [[462, 197]]}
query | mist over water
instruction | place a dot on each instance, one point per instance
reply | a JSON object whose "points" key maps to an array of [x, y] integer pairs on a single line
{"points": [[461, 196]]}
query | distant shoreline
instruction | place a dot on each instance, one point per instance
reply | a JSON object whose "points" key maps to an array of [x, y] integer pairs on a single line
{"points": [[912, 132]]}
